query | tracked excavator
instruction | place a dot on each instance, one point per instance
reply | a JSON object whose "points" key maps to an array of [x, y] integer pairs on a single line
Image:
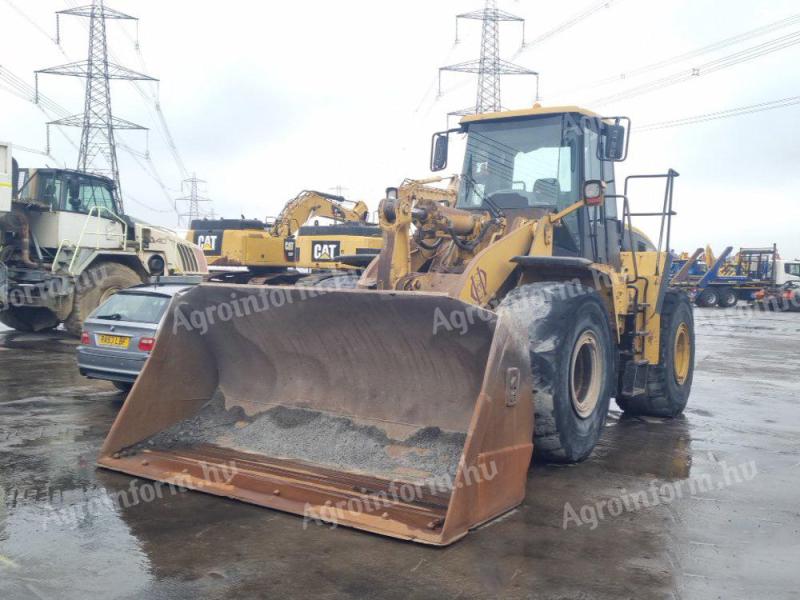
{"points": [[272, 251], [483, 333]]}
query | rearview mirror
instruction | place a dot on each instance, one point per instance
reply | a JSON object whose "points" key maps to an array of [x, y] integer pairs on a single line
{"points": [[439, 147], [73, 187], [614, 140]]}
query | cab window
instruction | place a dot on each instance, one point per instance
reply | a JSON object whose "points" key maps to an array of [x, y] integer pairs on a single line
{"points": [[792, 269], [517, 165], [85, 193], [48, 188]]}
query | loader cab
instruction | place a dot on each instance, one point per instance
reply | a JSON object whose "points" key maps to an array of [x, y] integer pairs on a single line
{"points": [[530, 162], [62, 190]]}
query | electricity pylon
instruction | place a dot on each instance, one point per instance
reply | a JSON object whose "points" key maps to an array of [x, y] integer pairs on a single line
{"points": [[97, 121], [489, 67]]}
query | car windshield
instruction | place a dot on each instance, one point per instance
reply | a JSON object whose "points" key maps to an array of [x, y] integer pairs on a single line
{"points": [[515, 164], [133, 306]]}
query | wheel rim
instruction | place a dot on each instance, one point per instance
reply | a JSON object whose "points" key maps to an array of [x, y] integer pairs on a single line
{"points": [[586, 374], [682, 354]]}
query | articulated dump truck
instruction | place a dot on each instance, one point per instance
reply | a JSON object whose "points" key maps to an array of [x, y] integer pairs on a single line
{"points": [[486, 331]]}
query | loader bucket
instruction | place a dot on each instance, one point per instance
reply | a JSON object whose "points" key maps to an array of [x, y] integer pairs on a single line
{"points": [[405, 414]]}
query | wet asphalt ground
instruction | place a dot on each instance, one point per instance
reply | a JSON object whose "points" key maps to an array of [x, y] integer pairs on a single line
{"points": [[703, 506]]}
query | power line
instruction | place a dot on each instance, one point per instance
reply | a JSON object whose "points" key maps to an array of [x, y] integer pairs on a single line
{"points": [[46, 106], [147, 206], [31, 21], [719, 45], [149, 168], [570, 22], [718, 64], [722, 114]]}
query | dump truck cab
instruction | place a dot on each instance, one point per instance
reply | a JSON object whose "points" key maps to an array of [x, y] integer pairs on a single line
{"points": [[66, 190]]}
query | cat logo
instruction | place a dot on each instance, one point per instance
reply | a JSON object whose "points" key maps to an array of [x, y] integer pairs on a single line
{"points": [[289, 248], [325, 250], [210, 243]]}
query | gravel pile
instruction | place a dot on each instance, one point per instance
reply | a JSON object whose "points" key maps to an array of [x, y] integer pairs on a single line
{"points": [[319, 438]]}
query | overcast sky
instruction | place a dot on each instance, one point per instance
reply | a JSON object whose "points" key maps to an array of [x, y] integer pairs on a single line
{"points": [[265, 99]]}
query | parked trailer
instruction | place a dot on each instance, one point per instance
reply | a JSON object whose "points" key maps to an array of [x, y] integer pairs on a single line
{"points": [[749, 276]]}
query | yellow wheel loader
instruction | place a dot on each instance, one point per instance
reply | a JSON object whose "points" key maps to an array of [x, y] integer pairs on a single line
{"points": [[485, 331]]}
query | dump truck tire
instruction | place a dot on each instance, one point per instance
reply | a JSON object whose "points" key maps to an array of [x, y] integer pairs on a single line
{"points": [[727, 298], [669, 382], [97, 285], [28, 318], [572, 363], [707, 298]]}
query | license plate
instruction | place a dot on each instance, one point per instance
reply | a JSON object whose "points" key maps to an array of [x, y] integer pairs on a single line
{"points": [[116, 341]]}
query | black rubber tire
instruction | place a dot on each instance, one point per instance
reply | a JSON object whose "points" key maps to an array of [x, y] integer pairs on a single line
{"points": [[109, 278], [727, 298], [665, 396], [556, 316], [28, 318], [123, 386], [707, 298]]}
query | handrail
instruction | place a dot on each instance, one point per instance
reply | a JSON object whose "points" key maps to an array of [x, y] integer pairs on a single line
{"points": [[99, 210], [61, 246], [666, 213]]}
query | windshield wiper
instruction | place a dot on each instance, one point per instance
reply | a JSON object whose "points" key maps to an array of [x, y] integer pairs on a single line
{"points": [[112, 317], [494, 210]]}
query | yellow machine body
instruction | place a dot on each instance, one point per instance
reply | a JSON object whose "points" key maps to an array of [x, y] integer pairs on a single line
{"points": [[404, 406]]}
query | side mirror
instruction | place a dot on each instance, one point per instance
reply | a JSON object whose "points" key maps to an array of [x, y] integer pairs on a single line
{"points": [[439, 147], [614, 140], [73, 187]]}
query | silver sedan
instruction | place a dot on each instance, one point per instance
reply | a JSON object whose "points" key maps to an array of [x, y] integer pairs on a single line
{"points": [[119, 335]]}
